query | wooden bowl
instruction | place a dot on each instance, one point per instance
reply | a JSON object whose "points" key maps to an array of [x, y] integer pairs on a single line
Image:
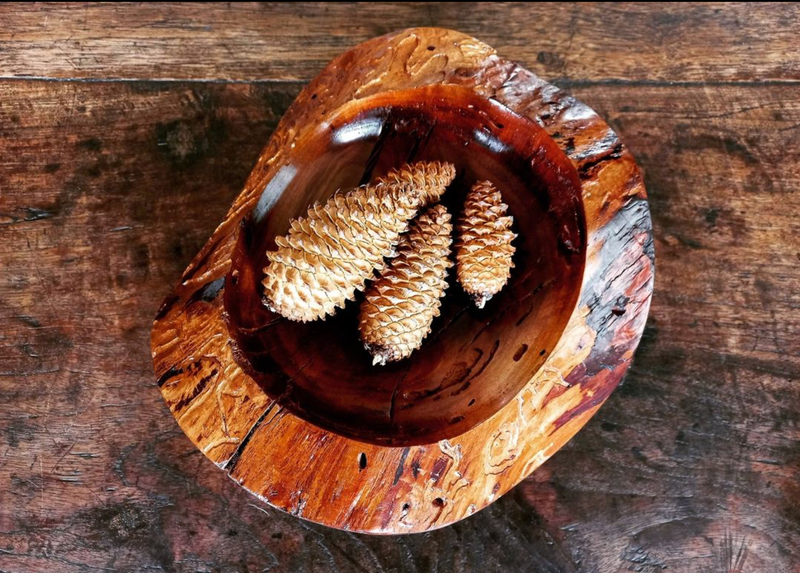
{"points": [[297, 414]]}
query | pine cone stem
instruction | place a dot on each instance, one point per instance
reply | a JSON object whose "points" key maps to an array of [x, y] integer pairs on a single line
{"points": [[483, 248], [400, 305], [329, 254]]}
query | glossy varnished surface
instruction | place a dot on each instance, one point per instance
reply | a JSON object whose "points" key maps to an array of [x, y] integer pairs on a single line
{"points": [[474, 361]]}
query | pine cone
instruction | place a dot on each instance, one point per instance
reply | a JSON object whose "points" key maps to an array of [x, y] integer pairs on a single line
{"points": [[401, 304], [483, 246], [336, 247]]}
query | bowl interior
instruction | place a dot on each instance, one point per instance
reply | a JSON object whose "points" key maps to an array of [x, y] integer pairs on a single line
{"points": [[474, 361]]}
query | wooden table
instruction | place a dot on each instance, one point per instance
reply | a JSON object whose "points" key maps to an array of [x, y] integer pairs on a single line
{"points": [[127, 130]]}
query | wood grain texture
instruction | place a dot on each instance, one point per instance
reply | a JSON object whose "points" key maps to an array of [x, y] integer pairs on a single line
{"points": [[691, 460], [666, 42]]}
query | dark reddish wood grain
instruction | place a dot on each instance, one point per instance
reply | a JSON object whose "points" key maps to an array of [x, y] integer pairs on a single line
{"points": [[692, 461]]}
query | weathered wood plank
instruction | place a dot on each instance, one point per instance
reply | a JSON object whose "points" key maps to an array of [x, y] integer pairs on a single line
{"points": [[693, 457], [665, 42]]}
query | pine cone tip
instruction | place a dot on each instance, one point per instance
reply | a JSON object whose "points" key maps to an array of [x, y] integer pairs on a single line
{"points": [[480, 300], [380, 355]]}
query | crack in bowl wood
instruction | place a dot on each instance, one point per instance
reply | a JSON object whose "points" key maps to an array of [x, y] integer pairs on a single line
{"points": [[297, 415]]}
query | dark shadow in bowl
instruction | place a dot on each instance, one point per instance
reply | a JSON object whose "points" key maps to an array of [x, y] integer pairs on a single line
{"points": [[474, 361]]}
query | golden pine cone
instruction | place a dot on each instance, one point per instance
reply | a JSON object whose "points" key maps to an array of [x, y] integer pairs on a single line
{"points": [[330, 253], [483, 246], [400, 305]]}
